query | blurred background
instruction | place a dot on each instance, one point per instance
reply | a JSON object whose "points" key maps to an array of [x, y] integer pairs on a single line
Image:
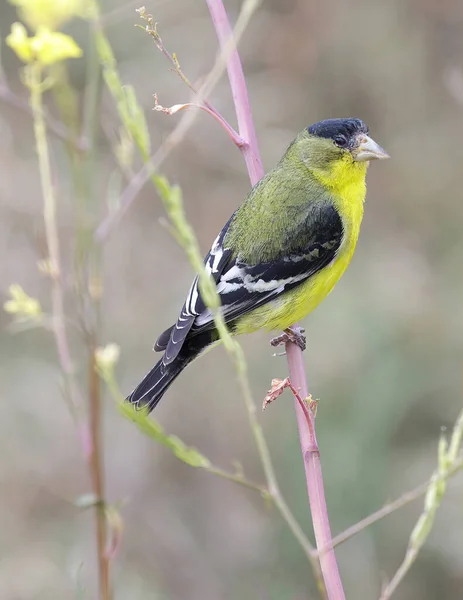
{"points": [[384, 350]]}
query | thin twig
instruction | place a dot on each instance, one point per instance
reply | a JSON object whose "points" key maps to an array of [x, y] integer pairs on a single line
{"points": [[90, 282], [235, 137], [270, 476], [388, 509], [95, 460], [240, 480], [89, 440], [228, 41], [34, 83], [154, 430], [118, 14], [151, 28], [178, 134], [448, 459]]}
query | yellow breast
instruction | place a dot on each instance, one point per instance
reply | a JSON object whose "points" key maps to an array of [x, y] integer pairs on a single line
{"points": [[347, 187]]}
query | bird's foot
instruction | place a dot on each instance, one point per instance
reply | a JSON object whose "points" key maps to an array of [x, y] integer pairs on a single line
{"points": [[292, 334]]}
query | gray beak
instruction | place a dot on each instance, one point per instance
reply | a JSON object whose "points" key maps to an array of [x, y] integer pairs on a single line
{"points": [[368, 149]]}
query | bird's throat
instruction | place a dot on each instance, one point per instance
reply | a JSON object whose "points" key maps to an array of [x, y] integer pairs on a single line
{"points": [[344, 178]]}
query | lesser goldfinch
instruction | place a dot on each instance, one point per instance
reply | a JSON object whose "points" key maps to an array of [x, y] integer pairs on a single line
{"points": [[281, 252]]}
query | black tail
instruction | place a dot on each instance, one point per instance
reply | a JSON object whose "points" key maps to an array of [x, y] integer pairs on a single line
{"points": [[151, 389], [148, 393]]}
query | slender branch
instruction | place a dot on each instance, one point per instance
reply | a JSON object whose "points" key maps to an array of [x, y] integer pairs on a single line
{"points": [[239, 479], [118, 14], [33, 80], [272, 482], [314, 477], [89, 439], [389, 508], [448, 459], [58, 321], [384, 511], [177, 135], [87, 278], [307, 436], [151, 28], [236, 139], [155, 431], [95, 460], [238, 84], [91, 286]]}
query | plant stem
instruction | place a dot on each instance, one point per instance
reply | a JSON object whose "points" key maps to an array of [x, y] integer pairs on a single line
{"points": [[49, 215], [91, 446], [448, 458], [95, 459], [307, 436], [314, 476], [271, 479], [239, 479], [205, 104], [238, 86], [388, 509], [91, 284], [176, 135], [33, 81]]}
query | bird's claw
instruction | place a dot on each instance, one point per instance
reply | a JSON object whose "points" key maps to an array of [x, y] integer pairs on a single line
{"points": [[292, 334]]}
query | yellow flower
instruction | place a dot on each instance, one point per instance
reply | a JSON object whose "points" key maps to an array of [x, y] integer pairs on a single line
{"points": [[21, 305], [46, 47], [49, 13], [52, 46], [18, 41]]}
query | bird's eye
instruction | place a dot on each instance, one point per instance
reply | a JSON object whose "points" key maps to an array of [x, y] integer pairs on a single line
{"points": [[340, 141]]}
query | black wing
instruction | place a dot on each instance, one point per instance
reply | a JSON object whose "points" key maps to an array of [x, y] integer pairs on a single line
{"points": [[215, 262], [243, 287]]}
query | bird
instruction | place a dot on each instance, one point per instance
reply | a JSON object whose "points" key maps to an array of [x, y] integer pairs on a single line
{"points": [[280, 253]]}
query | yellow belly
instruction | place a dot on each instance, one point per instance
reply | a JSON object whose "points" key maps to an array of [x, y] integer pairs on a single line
{"points": [[298, 302]]}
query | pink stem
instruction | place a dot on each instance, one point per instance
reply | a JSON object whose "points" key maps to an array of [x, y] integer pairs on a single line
{"points": [[234, 136], [246, 129], [314, 476], [309, 446]]}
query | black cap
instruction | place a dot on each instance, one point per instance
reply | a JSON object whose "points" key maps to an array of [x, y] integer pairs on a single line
{"points": [[330, 128]]}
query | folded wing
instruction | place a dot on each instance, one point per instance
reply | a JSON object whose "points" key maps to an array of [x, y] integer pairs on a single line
{"points": [[242, 287]]}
